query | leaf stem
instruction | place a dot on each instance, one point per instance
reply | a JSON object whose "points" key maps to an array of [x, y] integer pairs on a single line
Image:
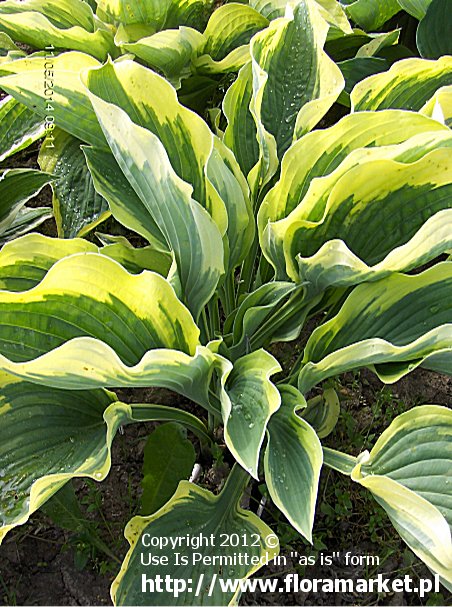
{"points": [[149, 412], [235, 485]]}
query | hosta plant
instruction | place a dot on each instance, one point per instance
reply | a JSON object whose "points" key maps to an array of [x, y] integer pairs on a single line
{"points": [[251, 230]]}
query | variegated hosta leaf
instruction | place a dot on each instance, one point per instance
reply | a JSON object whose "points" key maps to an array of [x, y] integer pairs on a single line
{"points": [[25, 261], [136, 260], [17, 186], [47, 437], [169, 51], [226, 181], [77, 207], [151, 102], [439, 106], [322, 151], [248, 400], [89, 323], [227, 36], [23, 79], [359, 43], [62, 13], [356, 239], [20, 127], [67, 24], [391, 326], [152, 12], [409, 472], [193, 13], [189, 230], [256, 310], [331, 11], [195, 511], [407, 85], [293, 458], [432, 36], [241, 133], [289, 56], [328, 155], [125, 204], [371, 14]]}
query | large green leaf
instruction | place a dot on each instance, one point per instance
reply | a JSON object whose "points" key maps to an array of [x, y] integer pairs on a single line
{"points": [[356, 69], [151, 102], [409, 472], [365, 225], [25, 261], [23, 79], [20, 127], [248, 400], [407, 85], [230, 26], [194, 511], [417, 8], [47, 437], [432, 37], [187, 227], [319, 161], [293, 458], [112, 334], [77, 207], [169, 51], [62, 13], [358, 43], [227, 36], [125, 204], [391, 326], [88, 294], [65, 24], [193, 13], [331, 11], [289, 56], [371, 14], [169, 457], [152, 12]]}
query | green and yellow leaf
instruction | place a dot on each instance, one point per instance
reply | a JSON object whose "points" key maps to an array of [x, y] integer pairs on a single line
{"points": [[408, 84], [77, 207], [193, 511], [293, 459], [409, 473], [391, 326]]}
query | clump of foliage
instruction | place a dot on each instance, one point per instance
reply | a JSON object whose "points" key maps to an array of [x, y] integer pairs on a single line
{"points": [[256, 220]]}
